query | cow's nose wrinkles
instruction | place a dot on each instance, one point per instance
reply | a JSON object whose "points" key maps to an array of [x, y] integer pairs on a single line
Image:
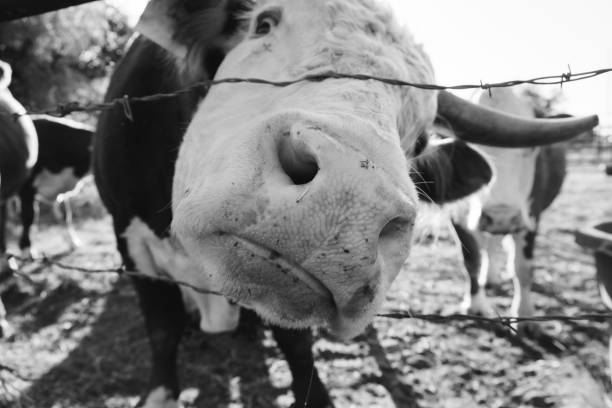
{"points": [[296, 158]]}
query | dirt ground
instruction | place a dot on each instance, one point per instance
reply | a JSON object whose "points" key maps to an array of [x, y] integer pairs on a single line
{"points": [[80, 340]]}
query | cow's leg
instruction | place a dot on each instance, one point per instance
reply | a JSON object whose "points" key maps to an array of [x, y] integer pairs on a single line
{"points": [[5, 328], [475, 300], [7, 264], [307, 387], [3, 227], [492, 274], [73, 238], [510, 250], [522, 303], [165, 319], [26, 196]]}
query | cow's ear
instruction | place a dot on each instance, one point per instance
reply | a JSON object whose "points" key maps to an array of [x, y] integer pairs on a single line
{"points": [[158, 24], [197, 33], [449, 170]]}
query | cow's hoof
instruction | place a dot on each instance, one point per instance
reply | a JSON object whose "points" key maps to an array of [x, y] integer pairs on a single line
{"points": [[189, 398], [75, 243], [317, 396], [29, 254], [478, 305], [6, 265], [323, 404], [6, 330], [160, 397]]}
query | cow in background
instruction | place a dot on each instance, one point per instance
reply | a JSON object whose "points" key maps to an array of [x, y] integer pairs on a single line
{"points": [[18, 155], [64, 159], [526, 182], [41, 158]]}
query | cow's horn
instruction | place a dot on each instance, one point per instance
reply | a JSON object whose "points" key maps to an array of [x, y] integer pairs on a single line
{"points": [[478, 124]]}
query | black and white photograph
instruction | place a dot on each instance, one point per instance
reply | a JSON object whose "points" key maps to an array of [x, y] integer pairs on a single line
{"points": [[305, 204]]}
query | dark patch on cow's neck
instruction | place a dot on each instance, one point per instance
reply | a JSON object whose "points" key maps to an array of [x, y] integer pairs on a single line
{"points": [[213, 59]]}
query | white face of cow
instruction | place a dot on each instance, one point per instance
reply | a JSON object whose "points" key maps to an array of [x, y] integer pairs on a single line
{"points": [[505, 208], [297, 201]]}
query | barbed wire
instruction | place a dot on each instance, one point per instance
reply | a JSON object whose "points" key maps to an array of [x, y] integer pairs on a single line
{"points": [[120, 270], [504, 320], [393, 314], [125, 102]]}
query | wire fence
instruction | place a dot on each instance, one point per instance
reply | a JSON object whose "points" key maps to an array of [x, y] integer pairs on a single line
{"points": [[203, 86], [121, 270], [507, 321]]}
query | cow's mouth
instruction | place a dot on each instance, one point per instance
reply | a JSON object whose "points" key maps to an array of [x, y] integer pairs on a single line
{"points": [[284, 292], [283, 265]]}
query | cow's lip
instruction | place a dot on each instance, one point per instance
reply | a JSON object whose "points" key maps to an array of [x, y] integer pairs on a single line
{"points": [[339, 324], [285, 265]]}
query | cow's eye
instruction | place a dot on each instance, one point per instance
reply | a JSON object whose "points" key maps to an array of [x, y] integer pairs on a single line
{"points": [[420, 144], [266, 21]]}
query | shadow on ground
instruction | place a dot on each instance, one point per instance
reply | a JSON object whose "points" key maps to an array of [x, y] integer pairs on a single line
{"points": [[109, 365]]}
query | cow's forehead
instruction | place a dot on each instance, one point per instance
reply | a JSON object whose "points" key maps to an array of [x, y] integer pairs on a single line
{"points": [[356, 36], [364, 27]]}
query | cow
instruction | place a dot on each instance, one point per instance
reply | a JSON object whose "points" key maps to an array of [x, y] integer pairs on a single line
{"points": [[18, 154], [64, 159], [45, 163], [297, 201], [526, 183]]}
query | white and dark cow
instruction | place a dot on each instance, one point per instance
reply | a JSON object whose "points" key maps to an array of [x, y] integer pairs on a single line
{"points": [[294, 201], [39, 156], [526, 182], [18, 154], [64, 159]]}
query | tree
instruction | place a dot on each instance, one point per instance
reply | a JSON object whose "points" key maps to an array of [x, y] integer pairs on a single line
{"points": [[65, 55]]}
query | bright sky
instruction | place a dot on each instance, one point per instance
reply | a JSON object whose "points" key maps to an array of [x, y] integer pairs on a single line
{"points": [[499, 40]]}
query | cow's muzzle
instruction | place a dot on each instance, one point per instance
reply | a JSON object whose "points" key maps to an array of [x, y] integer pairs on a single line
{"points": [[311, 232], [501, 220]]}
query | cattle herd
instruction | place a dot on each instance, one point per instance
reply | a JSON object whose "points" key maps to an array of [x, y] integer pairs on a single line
{"points": [[297, 202]]}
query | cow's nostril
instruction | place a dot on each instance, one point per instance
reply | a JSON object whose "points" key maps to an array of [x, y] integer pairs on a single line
{"points": [[517, 220], [395, 228], [485, 221], [297, 160]]}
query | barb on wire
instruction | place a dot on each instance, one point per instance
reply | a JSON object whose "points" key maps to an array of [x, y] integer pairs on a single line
{"points": [[567, 77], [127, 109], [398, 315], [203, 86]]}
